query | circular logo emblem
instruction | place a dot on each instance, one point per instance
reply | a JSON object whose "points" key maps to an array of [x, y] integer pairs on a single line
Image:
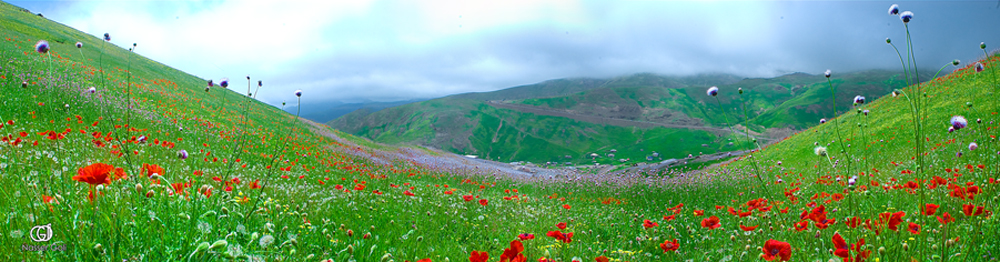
{"points": [[41, 233]]}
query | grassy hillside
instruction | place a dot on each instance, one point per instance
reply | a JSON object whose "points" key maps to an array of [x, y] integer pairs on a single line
{"points": [[267, 187], [468, 124]]}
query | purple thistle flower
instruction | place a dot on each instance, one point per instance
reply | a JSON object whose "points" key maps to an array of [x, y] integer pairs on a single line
{"points": [[92, 90], [182, 154], [822, 121], [713, 91], [859, 100], [865, 112], [298, 93], [894, 9], [107, 37], [973, 146], [42, 46], [224, 82], [210, 83], [906, 16], [79, 45], [958, 154], [959, 122], [979, 67], [951, 129]]}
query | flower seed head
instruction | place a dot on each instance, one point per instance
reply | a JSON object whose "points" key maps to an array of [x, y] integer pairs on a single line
{"points": [[713, 91], [906, 16], [819, 151], [894, 9], [79, 45], [827, 73], [42, 46]]}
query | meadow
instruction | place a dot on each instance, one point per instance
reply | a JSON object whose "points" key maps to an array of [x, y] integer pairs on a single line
{"points": [[127, 159]]}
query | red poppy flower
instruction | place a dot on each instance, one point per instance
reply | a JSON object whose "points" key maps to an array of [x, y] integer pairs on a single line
{"points": [[699, 213], [649, 224], [564, 237], [601, 259], [668, 246], [561, 225], [818, 214], [946, 218], [711, 222], [256, 184], [777, 249], [526, 236], [467, 198], [930, 209], [914, 228], [477, 256], [483, 202], [120, 174], [94, 174], [566, 207], [972, 210], [513, 254], [895, 219], [149, 170], [802, 225], [853, 222], [669, 218], [408, 193], [746, 228], [840, 247]]}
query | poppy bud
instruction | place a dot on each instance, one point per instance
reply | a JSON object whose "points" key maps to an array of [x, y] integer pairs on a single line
{"points": [[138, 188], [350, 249], [150, 193], [24, 84], [888, 41], [740, 90], [367, 236], [385, 258], [881, 250], [949, 243], [98, 247], [956, 62], [982, 45], [219, 244], [906, 247], [201, 247], [350, 233]]}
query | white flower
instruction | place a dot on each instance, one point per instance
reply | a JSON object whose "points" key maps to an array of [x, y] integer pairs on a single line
{"points": [[266, 241], [959, 122], [92, 90], [713, 91], [906, 16], [827, 73]]}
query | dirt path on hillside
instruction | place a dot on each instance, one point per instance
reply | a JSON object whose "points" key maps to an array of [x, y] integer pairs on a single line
{"points": [[615, 121]]}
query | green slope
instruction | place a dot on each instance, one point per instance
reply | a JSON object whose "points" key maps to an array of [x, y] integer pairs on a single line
{"points": [[470, 123]]}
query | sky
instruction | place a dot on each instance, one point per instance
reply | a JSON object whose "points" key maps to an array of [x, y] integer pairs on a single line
{"points": [[361, 50]]}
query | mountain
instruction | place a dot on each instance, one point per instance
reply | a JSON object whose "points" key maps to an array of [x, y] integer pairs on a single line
{"points": [[568, 120]]}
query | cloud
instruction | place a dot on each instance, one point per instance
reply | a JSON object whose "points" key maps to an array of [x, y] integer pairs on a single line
{"points": [[396, 50]]}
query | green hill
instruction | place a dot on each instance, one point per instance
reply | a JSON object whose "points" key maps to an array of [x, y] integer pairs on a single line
{"points": [[567, 120]]}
